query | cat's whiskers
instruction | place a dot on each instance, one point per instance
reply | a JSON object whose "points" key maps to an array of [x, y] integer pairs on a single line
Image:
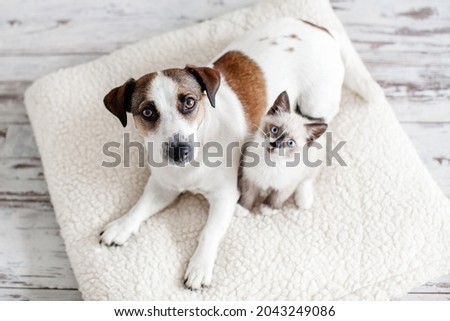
{"points": [[260, 129], [282, 133]]}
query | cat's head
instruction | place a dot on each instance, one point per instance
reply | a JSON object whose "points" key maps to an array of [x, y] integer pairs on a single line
{"points": [[285, 133]]}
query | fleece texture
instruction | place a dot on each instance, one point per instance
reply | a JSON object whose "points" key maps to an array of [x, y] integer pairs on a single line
{"points": [[378, 227]]}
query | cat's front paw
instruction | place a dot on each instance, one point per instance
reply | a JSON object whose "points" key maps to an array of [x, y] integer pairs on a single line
{"points": [[241, 211], [267, 210], [305, 204], [304, 199], [273, 201]]}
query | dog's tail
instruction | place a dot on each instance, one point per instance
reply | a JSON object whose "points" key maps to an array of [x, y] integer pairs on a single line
{"points": [[357, 77]]}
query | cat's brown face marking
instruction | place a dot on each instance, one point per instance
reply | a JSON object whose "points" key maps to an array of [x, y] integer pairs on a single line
{"points": [[284, 139]]}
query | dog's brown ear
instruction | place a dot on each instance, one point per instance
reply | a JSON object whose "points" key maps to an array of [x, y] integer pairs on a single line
{"points": [[118, 100], [315, 130], [209, 80], [281, 104]]}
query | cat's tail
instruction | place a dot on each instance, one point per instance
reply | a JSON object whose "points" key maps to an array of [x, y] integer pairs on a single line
{"points": [[357, 77]]}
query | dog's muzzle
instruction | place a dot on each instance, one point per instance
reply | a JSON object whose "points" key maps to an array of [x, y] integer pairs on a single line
{"points": [[178, 151]]}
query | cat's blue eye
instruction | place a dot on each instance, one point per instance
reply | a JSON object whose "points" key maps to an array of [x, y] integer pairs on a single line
{"points": [[274, 130], [291, 143]]}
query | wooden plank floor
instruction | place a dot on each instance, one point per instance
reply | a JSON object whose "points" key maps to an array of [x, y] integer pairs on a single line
{"points": [[405, 44]]}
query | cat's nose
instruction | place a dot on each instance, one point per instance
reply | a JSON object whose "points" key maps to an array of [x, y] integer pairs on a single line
{"points": [[278, 143]]}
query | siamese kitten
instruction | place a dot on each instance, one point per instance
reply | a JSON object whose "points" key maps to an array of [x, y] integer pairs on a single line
{"points": [[279, 158]]}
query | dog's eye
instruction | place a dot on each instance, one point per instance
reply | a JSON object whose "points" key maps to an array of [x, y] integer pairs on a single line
{"points": [[274, 130], [189, 103], [291, 143], [147, 112]]}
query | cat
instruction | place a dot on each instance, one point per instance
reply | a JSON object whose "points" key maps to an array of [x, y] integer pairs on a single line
{"points": [[274, 160]]}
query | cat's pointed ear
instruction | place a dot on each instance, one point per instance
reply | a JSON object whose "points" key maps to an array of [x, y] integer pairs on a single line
{"points": [[281, 105], [315, 130]]}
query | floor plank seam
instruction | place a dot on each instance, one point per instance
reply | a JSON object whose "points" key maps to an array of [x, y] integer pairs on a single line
{"points": [[37, 288], [430, 293]]}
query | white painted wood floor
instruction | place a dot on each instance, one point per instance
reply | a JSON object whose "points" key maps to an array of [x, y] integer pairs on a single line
{"points": [[405, 44]]}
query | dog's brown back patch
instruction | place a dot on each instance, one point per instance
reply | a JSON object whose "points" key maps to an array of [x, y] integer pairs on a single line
{"points": [[246, 79]]}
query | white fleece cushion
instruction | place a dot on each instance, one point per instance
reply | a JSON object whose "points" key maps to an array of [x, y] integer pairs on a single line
{"points": [[378, 227]]}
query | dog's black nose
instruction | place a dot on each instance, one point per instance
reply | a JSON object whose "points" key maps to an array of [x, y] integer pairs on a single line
{"points": [[179, 152]]}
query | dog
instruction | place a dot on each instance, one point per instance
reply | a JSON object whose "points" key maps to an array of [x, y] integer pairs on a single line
{"points": [[220, 103]]}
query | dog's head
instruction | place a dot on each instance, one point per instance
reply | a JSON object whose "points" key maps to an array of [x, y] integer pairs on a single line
{"points": [[168, 107]]}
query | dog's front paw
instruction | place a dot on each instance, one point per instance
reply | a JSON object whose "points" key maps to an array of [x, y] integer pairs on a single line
{"points": [[199, 272], [117, 232]]}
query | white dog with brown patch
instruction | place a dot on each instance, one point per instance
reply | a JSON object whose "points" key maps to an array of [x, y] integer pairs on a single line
{"points": [[171, 112]]}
